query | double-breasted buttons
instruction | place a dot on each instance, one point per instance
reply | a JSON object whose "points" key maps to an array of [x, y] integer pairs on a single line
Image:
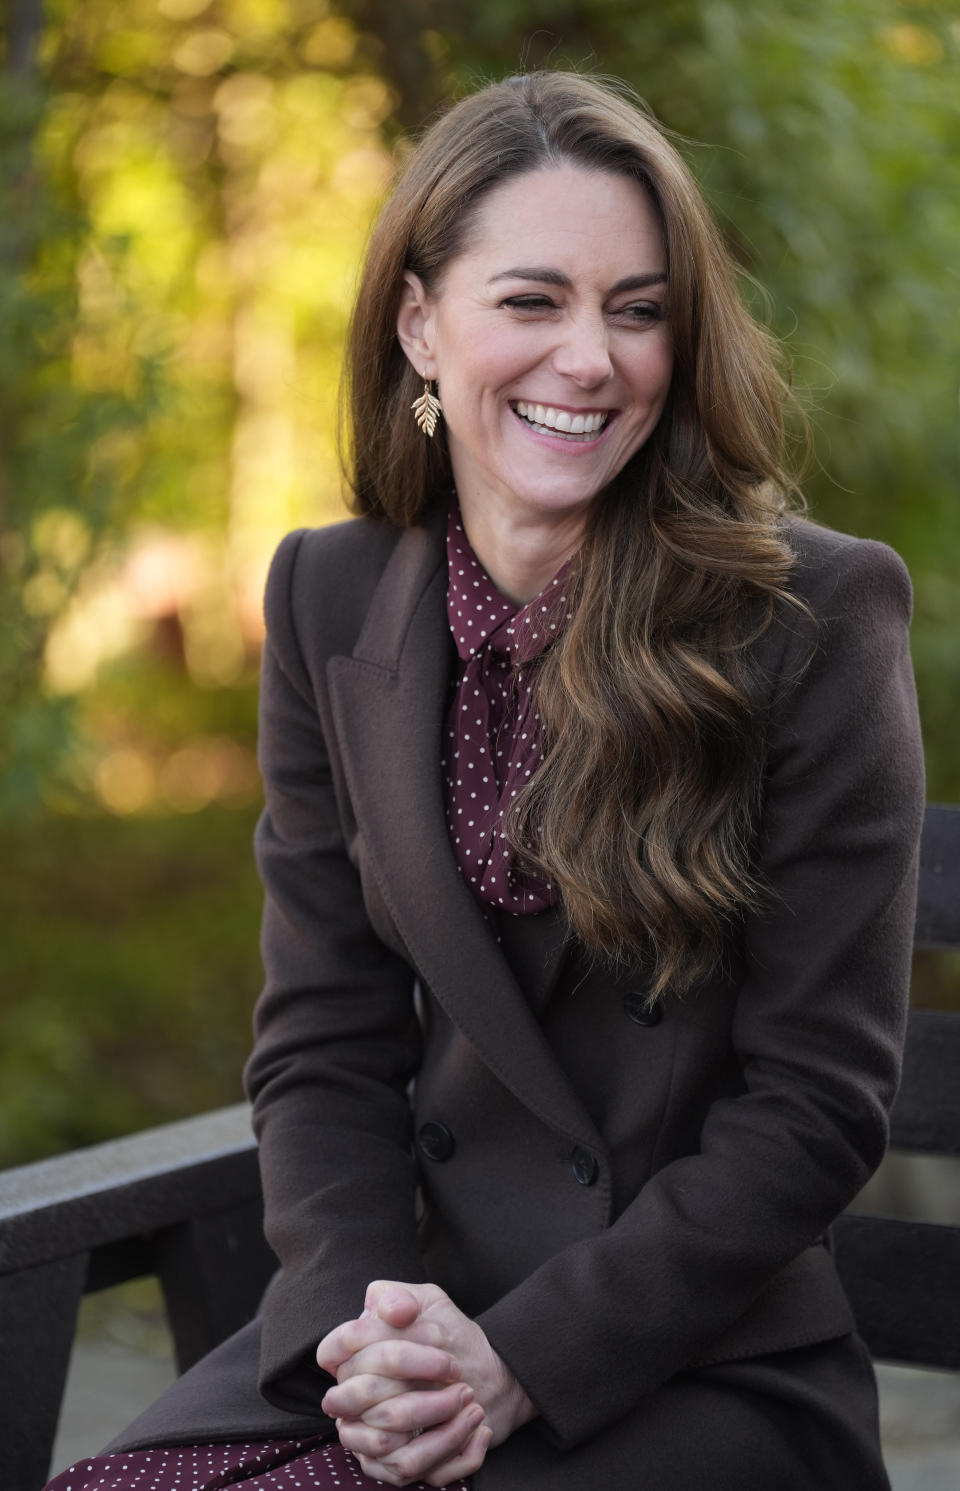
{"points": [[585, 1166], [634, 1005], [435, 1140]]}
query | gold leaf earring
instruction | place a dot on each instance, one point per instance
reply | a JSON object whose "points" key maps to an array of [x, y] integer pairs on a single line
{"points": [[427, 408]]}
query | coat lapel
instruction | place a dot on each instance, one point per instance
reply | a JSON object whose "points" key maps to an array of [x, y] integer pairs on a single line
{"points": [[388, 702], [535, 947]]}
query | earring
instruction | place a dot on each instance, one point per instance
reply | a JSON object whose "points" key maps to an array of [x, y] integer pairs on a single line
{"points": [[427, 408]]}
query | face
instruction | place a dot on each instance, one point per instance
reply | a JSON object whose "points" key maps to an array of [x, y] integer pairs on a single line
{"points": [[549, 340]]}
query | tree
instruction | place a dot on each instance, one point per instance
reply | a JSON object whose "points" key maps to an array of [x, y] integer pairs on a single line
{"points": [[185, 188]]}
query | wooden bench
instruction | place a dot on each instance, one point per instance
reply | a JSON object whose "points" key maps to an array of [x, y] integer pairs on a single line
{"points": [[183, 1202]]}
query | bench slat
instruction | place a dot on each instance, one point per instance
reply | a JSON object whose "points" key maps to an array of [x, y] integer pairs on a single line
{"points": [[926, 1115], [213, 1271], [938, 904], [902, 1281]]}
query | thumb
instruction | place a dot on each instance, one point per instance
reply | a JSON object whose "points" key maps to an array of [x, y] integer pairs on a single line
{"points": [[395, 1304]]}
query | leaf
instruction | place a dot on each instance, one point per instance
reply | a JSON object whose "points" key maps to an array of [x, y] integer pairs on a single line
{"points": [[427, 408]]}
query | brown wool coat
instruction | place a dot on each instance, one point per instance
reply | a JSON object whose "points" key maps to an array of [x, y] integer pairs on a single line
{"points": [[615, 1201]]}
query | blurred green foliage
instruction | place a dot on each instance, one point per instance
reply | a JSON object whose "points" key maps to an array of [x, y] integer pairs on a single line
{"points": [[185, 187], [131, 949]]}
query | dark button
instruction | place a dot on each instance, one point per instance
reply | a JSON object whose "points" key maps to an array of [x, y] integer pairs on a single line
{"points": [[635, 1005], [435, 1141], [585, 1167]]}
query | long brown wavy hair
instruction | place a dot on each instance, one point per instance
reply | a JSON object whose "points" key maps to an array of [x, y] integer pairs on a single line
{"points": [[643, 812]]}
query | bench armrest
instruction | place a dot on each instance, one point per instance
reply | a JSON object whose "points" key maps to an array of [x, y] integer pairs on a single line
{"points": [[181, 1201], [111, 1192]]}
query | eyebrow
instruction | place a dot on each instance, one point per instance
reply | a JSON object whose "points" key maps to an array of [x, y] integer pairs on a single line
{"points": [[557, 277]]}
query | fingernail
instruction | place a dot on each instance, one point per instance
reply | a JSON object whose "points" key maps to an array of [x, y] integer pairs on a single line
{"points": [[475, 1416], [466, 1395]]}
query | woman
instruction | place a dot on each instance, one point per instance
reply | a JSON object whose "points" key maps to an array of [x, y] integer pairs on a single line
{"points": [[593, 791]]}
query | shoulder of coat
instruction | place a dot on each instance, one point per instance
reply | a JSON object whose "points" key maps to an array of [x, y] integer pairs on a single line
{"points": [[321, 583], [836, 568], [849, 589], [353, 549]]}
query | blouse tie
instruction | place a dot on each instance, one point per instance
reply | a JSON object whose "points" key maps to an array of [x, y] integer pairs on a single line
{"points": [[493, 740]]}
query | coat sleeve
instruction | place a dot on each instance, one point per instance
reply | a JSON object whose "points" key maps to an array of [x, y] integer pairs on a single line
{"points": [[336, 1042], [818, 1031]]}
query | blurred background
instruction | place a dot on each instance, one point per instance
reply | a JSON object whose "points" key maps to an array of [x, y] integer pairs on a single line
{"points": [[185, 191]]}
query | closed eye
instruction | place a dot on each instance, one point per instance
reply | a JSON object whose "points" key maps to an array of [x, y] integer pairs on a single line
{"points": [[529, 303], [641, 312], [638, 313]]}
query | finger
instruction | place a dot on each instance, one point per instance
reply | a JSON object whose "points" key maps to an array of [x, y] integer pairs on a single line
{"points": [[351, 1399], [381, 1473], [361, 1439], [431, 1448], [411, 1412], [392, 1403], [344, 1340], [353, 1335], [466, 1463], [394, 1303], [403, 1359], [434, 1447]]}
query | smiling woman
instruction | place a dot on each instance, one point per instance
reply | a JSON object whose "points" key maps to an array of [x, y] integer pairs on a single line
{"points": [[593, 792], [582, 338]]}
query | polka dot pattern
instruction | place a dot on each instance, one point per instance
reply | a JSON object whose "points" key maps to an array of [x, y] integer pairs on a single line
{"points": [[311, 1464], [493, 741]]}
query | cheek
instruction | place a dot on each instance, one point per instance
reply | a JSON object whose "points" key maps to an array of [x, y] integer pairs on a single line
{"points": [[649, 381], [656, 369], [484, 363]]}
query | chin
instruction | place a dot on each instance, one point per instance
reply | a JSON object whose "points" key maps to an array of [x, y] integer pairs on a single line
{"points": [[558, 498]]}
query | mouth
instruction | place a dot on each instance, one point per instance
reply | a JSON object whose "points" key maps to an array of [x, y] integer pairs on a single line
{"points": [[580, 426]]}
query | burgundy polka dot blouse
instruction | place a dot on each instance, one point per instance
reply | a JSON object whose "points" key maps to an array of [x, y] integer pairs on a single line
{"points": [[493, 740], [312, 1463]]}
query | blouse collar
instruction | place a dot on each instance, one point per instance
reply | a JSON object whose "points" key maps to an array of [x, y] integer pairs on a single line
{"points": [[480, 614]]}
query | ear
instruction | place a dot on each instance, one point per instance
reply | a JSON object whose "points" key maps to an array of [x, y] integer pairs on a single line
{"points": [[415, 326]]}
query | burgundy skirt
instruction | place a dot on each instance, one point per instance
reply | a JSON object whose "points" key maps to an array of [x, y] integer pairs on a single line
{"points": [[312, 1464]]}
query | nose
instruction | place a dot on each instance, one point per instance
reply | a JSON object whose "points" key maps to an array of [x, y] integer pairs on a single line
{"points": [[582, 354]]}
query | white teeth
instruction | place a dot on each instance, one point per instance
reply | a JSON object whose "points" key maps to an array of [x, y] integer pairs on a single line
{"points": [[561, 420]]}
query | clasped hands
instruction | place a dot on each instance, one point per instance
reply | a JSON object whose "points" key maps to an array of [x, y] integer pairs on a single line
{"points": [[421, 1394]]}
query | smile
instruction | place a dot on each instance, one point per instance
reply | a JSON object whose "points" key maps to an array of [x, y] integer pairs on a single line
{"points": [[544, 419]]}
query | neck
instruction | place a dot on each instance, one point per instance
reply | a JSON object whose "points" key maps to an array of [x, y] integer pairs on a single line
{"points": [[521, 553]]}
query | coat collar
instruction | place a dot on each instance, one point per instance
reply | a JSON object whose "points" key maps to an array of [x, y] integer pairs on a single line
{"points": [[388, 703]]}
